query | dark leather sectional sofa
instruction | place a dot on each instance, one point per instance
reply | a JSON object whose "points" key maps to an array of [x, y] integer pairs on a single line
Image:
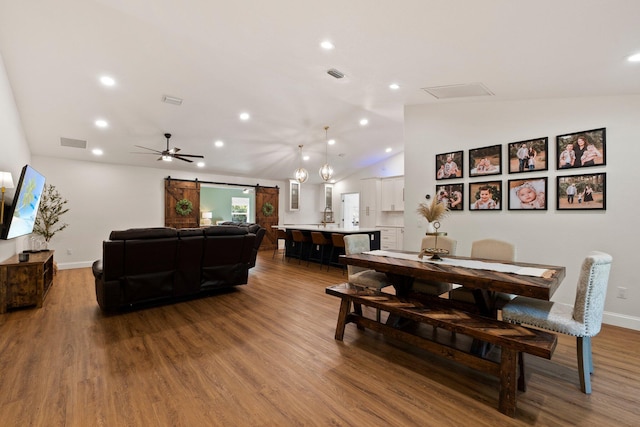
{"points": [[146, 266]]}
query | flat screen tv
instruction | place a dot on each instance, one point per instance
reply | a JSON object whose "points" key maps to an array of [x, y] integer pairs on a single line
{"points": [[21, 216]]}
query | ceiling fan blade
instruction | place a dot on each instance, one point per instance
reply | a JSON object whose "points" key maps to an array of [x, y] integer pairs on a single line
{"points": [[184, 160], [189, 155], [150, 149], [174, 150]]}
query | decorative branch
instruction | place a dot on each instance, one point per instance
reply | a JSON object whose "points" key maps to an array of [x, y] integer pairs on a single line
{"points": [[52, 207]]}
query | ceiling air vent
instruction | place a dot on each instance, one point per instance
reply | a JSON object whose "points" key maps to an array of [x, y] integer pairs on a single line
{"points": [[335, 73], [171, 100], [458, 91], [75, 143]]}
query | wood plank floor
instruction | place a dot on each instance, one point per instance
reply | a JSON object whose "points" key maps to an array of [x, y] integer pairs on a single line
{"points": [[264, 355]]}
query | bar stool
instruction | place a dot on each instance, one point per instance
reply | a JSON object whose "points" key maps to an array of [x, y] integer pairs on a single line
{"points": [[300, 240], [337, 241], [320, 241], [281, 235]]}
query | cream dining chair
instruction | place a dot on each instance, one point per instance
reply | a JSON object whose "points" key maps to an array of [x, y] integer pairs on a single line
{"points": [[432, 287], [583, 320], [492, 249]]}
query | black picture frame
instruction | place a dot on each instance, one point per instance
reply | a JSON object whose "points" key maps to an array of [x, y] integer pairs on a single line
{"points": [[485, 161], [540, 147], [528, 194], [589, 149], [452, 195], [443, 165], [475, 193], [581, 200]]}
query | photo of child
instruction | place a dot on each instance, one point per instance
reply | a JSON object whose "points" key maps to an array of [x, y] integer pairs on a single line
{"points": [[485, 195], [528, 194], [451, 196]]}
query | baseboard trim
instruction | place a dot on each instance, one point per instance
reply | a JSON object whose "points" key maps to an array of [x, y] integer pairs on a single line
{"points": [[70, 265], [622, 320]]}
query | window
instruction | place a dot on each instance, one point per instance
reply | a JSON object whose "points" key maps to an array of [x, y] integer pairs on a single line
{"points": [[240, 209]]}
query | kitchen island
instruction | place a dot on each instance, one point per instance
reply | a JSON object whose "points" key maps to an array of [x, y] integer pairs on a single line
{"points": [[290, 251]]}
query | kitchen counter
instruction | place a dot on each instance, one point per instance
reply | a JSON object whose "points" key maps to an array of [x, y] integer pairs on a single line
{"points": [[330, 228]]}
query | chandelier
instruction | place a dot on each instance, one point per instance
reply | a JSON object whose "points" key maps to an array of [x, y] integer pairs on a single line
{"points": [[301, 175], [326, 171]]}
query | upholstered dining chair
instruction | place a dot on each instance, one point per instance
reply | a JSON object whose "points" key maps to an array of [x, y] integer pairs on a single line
{"points": [[492, 249], [432, 287], [360, 276], [583, 320]]}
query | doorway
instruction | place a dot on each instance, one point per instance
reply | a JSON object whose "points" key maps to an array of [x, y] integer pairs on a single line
{"points": [[350, 209]]}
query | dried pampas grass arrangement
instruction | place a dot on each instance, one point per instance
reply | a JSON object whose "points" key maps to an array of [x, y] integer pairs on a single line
{"points": [[433, 211]]}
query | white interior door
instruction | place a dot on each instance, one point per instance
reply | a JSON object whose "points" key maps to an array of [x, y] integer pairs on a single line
{"points": [[350, 209]]}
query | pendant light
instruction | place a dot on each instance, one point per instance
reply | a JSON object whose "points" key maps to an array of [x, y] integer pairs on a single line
{"points": [[301, 175], [326, 171]]}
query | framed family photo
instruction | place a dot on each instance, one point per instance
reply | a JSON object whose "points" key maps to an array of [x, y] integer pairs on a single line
{"points": [[449, 165], [485, 161], [452, 195], [527, 194], [582, 192], [528, 156], [582, 149], [485, 195]]}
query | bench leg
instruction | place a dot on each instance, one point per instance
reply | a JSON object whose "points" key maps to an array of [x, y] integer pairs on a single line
{"points": [[508, 368], [522, 382], [345, 304], [357, 308]]}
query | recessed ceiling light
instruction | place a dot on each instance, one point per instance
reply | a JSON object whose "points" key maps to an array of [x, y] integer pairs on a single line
{"points": [[333, 181], [97, 152], [101, 123], [218, 143], [388, 150], [364, 122], [305, 158], [331, 141], [107, 81], [634, 58], [394, 86], [200, 164], [244, 116], [327, 45]]}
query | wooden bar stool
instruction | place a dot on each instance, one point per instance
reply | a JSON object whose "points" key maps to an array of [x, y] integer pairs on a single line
{"points": [[318, 240], [281, 235], [337, 240], [300, 240]]}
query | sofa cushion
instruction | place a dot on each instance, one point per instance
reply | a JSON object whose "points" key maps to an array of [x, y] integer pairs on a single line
{"points": [[190, 232], [225, 230], [143, 233]]}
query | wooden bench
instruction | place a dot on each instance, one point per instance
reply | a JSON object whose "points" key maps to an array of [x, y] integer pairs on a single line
{"points": [[512, 339]]}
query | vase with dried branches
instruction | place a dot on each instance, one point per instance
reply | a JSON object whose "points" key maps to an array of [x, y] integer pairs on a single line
{"points": [[432, 212]]}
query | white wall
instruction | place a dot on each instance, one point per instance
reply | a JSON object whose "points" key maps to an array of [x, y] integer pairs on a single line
{"points": [[549, 237], [15, 152]]}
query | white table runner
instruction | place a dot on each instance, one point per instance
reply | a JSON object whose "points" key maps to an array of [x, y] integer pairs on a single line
{"points": [[468, 263]]}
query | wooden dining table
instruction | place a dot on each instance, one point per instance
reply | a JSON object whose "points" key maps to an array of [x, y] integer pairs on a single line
{"points": [[402, 271]]}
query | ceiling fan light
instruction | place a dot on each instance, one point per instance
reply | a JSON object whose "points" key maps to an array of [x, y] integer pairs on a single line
{"points": [[301, 175], [166, 158]]}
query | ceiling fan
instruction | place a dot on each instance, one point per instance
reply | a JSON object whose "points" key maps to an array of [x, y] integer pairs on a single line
{"points": [[169, 154]]}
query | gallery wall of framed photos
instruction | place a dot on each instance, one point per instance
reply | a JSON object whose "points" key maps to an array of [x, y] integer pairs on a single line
{"points": [[528, 162]]}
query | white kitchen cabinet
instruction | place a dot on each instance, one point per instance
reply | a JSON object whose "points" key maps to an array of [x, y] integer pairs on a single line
{"points": [[326, 197], [392, 194], [369, 201], [391, 237]]}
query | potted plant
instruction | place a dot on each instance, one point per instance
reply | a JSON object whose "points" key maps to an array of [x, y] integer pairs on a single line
{"points": [[52, 207]]}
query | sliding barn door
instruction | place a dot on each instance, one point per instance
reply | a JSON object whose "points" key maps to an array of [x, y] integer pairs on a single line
{"points": [[267, 214], [174, 193]]}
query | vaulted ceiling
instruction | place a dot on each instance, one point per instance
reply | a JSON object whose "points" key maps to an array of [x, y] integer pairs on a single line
{"points": [[223, 58]]}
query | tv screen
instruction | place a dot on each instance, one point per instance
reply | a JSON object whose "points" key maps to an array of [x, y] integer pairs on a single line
{"points": [[24, 209]]}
